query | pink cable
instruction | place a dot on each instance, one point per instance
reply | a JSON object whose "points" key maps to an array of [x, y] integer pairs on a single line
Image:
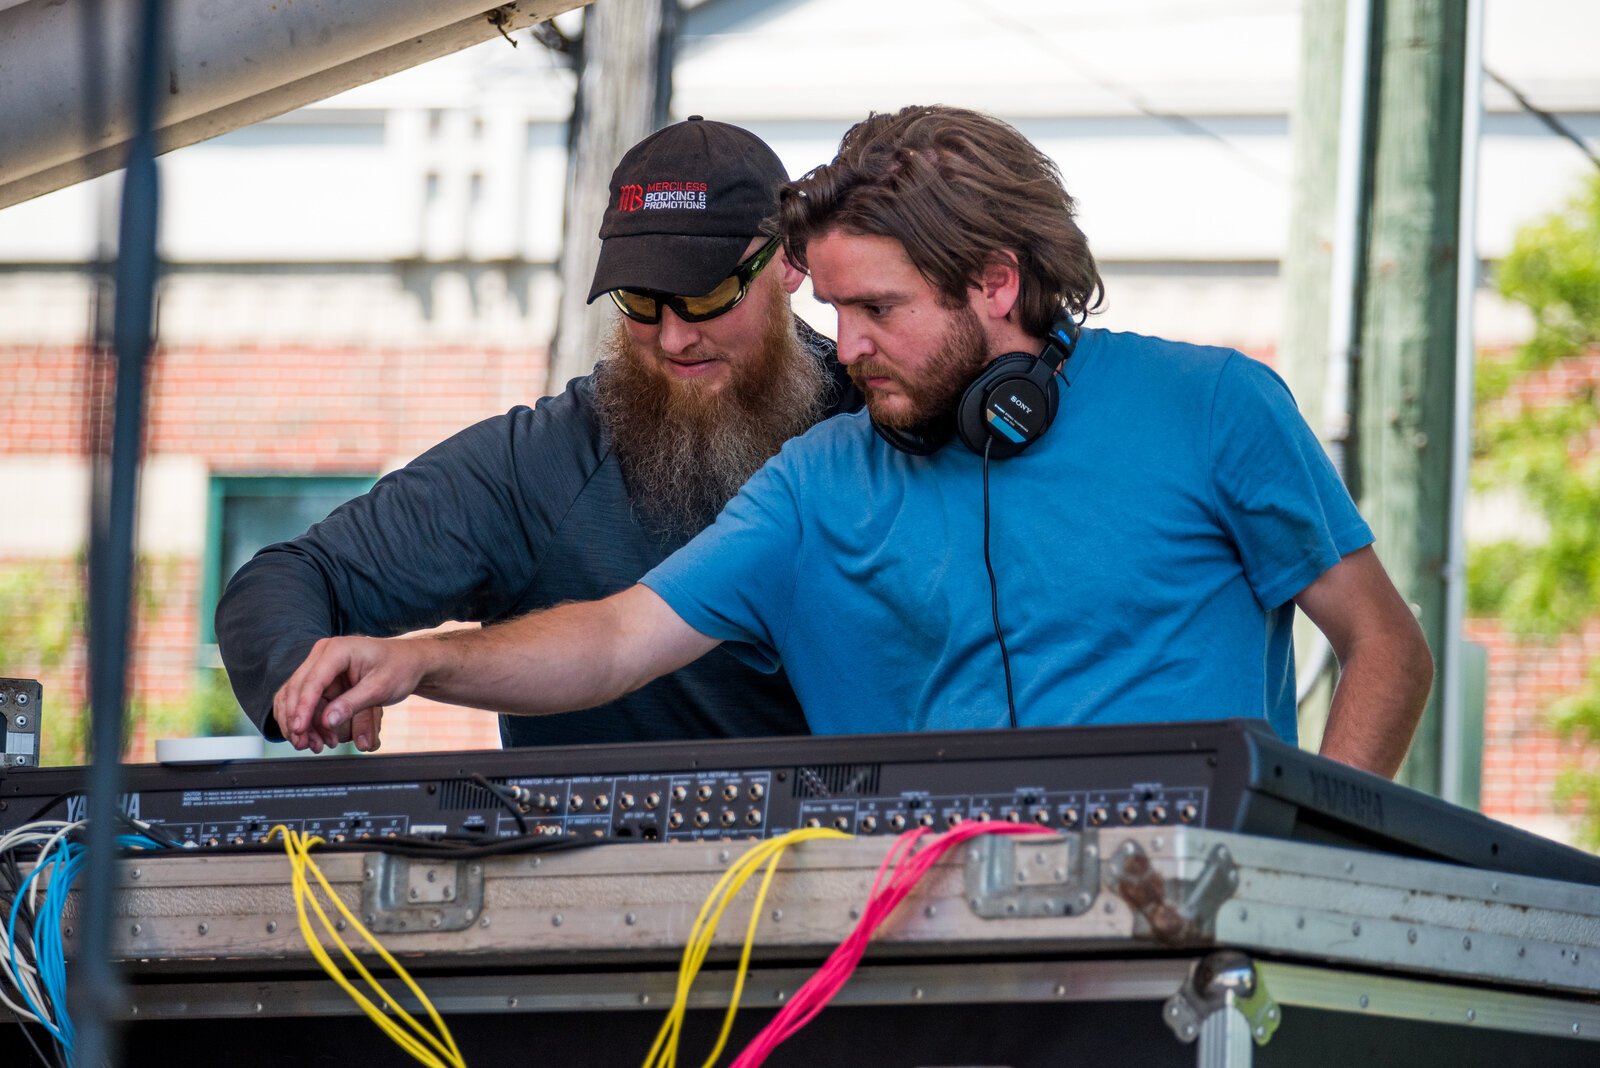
{"points": [[907, 871]]}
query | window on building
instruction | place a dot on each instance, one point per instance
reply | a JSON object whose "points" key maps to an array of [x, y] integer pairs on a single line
{"points": [[245, 514], [249, 512]]}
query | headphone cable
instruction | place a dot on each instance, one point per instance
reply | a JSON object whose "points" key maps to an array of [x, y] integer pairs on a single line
{"points": [[994, 589]]}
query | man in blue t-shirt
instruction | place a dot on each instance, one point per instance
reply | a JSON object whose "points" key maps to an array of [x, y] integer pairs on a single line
{"points": [[1040, 523]]}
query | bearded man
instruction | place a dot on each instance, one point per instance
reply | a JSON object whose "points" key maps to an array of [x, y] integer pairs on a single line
{"points": [[707, 372], [1035, 522]]}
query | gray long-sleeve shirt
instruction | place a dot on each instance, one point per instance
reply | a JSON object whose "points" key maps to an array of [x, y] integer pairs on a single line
{"points": [[520, 512]]}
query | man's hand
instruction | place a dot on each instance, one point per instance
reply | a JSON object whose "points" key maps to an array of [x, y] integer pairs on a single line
{"points": [[338, 693]]}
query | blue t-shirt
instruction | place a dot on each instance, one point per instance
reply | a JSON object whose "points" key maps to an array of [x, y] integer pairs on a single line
{"points": [[1147, 549]]}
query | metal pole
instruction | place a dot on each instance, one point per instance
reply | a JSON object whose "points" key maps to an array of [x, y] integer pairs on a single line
{"points": [[1455, 579], [1349, 224], [111, 552]]}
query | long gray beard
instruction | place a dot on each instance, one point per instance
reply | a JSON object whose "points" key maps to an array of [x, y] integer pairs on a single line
{"points": [[685, 453]]}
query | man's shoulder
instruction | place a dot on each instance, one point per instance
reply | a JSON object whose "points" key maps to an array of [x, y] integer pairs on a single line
{"points": [[1157, 365], [830, 448], [561, 429], [568, 414], [1131, 347], [573, 408], [847, 432]]}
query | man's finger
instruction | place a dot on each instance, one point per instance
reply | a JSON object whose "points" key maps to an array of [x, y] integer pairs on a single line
{"points": [[365, 727], [298, 702], [382, 673], [302, 694]]}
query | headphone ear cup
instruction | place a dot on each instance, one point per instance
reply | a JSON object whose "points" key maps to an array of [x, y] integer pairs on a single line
{"points": [[1009, 406]]}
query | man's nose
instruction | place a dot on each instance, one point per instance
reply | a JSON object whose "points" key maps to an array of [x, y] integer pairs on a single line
{"points": [[853, 343], [676, 335]]}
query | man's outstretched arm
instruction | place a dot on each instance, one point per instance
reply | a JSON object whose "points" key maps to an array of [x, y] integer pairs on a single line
{"points": [[1385, 669], [565, 658]]}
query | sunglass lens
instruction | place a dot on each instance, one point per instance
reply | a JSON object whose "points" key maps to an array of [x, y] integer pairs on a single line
{"points": [[715, 302], [637, 305]]}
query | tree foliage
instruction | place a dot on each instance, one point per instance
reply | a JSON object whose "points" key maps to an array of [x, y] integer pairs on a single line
{"points": [[41, 635], [1549, 453]]}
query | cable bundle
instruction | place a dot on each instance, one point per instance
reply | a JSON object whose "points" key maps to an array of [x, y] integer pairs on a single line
{"points": [[903, 870], [34, 958], [436, 1051], [664, 1053]]}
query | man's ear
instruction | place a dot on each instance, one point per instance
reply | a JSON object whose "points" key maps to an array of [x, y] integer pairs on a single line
{"points": [[994, 293], [789, 275]]}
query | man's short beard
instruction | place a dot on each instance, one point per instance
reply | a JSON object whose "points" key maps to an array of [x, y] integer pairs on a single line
{"points": [[685, 450], [932, 397]]}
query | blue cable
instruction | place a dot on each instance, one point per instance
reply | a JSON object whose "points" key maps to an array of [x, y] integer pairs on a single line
{"points": [[62, 864], [47, 940], [44, 863]]}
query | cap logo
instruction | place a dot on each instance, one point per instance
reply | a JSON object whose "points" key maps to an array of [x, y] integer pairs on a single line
{"points": [[664, 196]]}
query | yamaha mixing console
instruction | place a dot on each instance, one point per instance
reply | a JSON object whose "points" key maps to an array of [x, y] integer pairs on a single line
{"points": [[1225, 775]]}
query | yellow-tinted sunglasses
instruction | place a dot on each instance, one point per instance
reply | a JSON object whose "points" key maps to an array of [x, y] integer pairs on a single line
{"points": [[644, 305]]}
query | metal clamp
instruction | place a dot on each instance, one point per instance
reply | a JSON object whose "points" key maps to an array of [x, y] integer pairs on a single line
{"points": [[21, 702], [1222, 981], [1009, 876], [404, 894], [1178, 912]]}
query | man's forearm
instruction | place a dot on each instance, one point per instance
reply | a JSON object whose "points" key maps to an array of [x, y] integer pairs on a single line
{"points": [[1376, 706], [569, 657]]}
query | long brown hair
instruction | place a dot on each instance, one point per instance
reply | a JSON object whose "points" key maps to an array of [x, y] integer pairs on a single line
{"points": [[957, 189]]}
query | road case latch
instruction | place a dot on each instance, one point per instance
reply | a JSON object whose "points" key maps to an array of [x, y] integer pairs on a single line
{"points": [[1032, 876], [1177, 912], [1217, 982], [406, 894]]}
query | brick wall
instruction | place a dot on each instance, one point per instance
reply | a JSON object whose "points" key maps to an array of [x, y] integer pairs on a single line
{"points": [[328, 410], [1559, 382], [1521, 754], [41, 394], [283, 410]]}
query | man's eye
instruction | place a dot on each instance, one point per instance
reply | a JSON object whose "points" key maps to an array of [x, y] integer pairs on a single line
{"points": [[877, 311]]}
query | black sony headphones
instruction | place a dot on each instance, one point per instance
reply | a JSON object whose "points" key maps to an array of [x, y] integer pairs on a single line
{"points": [[1007, 407]]}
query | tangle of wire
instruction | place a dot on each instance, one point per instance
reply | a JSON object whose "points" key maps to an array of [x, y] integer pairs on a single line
{"points": [[33, 963], [436, 1048], [903, 867], [664, 1053], [909, 858]]}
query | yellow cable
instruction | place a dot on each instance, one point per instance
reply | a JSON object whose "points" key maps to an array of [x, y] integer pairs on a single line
{"points": [[448, 1049], [298, 847], [663, 1053], [294, 845], [373, 1012], [699, 943], [744, 961], [695, 950], [302, 890], [451, 1054]]}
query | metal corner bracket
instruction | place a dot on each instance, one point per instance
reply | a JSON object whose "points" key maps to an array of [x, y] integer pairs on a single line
{"points": [[407, 894], [1219, 982], [1007, 877], [1176, 912]]}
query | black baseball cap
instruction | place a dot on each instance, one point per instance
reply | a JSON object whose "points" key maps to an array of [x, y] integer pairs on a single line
{"points": [[685, 203]]}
